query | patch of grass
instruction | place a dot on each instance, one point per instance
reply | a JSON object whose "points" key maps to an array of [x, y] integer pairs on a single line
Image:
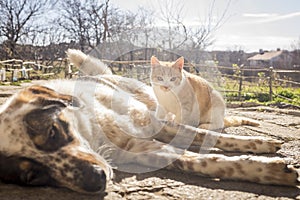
{"points": [[15, 83], [287, 95], [26, 81], [254, 92]]}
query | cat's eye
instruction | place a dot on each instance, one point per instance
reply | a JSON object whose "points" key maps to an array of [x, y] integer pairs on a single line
{"points": [[173, 79], [159, 78]]}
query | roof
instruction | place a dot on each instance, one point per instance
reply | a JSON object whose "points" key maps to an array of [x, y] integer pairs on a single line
{"points": [[266, 55]]}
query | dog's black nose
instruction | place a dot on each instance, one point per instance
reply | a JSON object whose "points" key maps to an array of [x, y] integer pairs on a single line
{"points": [[94, 180]]}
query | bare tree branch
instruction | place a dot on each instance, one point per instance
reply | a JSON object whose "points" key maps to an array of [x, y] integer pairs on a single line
{"points": [[202, 36], [17, 20], [171, 12]]}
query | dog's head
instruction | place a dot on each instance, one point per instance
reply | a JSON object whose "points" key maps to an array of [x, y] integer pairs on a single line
{"points": [[40, 143]]}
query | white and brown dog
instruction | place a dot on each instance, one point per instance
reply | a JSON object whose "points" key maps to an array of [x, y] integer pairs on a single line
{"points": [[64, 133]]}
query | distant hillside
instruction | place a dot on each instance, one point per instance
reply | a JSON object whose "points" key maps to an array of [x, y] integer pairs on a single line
{"points": [[116, 50]]}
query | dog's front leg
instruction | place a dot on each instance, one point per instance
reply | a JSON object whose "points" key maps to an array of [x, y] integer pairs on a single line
{"points": [[23, 171]]}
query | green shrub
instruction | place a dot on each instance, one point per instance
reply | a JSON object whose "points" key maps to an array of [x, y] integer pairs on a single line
{"points": [[248, 96], [263, 97], [286, 93]]}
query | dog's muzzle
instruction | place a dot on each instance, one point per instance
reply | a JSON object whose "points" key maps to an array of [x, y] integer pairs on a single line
{"points": [[94, 179]]}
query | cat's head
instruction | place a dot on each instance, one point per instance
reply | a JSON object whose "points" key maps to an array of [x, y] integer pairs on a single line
{"points": [[167, 75]]}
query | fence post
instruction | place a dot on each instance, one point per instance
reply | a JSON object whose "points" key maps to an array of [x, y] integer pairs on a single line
{"points": [[241, 74], [270, 83], [12, 71]]}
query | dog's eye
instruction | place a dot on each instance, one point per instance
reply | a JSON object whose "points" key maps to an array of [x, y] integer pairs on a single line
{"points": [[53, 133]]}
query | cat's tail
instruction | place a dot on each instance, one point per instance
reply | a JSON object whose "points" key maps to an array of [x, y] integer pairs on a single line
{"points": [[88, 65], [230, 121]]}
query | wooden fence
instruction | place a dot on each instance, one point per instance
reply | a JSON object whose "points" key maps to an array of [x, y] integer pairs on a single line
{"points": [[14, 70], [236, 81], [269, 78]]}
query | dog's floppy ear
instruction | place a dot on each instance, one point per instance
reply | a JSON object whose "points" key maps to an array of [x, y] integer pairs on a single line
{"points": [[42, 119], [44, 97], [45, 123], [47, 127]]}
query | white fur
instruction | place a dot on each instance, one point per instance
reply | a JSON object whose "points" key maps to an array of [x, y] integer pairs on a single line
{"points": [[112, 118]]}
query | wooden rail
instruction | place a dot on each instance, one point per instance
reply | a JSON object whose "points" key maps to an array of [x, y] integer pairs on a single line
{"points": [[14, 69], [241, 76]]}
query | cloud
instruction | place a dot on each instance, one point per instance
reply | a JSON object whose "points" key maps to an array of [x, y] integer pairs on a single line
{"points": [[271, 17], [259, 15], [282, 17]]}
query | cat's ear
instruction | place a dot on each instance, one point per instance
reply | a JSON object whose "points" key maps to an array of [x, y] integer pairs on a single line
{"points": [[154, 61], [179, 63]]}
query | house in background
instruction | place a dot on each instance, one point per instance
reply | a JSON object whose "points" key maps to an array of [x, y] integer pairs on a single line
{"points": [[279, 59]]}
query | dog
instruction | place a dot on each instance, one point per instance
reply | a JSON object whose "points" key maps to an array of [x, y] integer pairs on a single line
{"points": [[69, 133]]}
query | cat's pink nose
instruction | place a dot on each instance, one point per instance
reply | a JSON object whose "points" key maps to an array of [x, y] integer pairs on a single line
{"points": [[165, 88]]}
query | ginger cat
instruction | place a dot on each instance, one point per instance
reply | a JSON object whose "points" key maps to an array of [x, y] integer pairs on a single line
{"points": [[184, 97]]}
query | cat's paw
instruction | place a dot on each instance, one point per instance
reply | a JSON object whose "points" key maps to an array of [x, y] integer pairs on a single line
{"points": [[139, 117], [170, 117], [204, 126]]}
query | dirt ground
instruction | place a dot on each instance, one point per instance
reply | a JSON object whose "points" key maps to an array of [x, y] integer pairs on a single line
{"points": [[277, 123]]}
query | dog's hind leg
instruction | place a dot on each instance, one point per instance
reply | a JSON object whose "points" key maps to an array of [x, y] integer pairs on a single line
{"points": [[182, 136], [258, 169]]}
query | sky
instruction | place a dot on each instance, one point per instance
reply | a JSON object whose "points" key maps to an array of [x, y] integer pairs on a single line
{"points": [[248, 25]]}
